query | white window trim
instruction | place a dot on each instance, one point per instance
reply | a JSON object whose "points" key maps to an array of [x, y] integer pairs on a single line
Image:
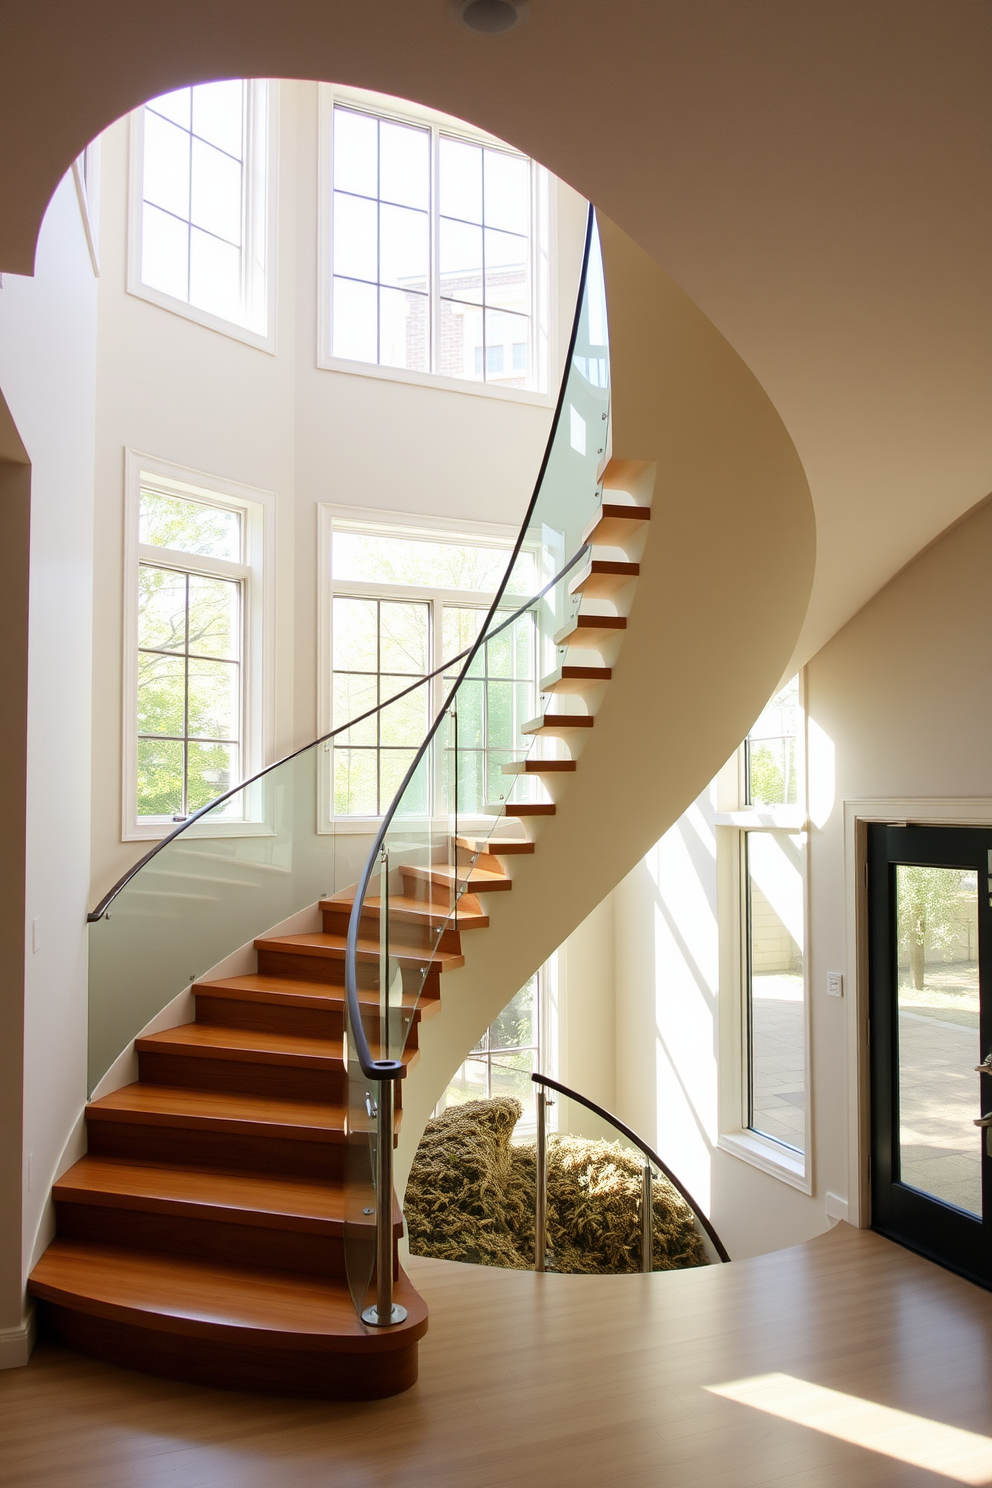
{"points": [[259, 509], [732, 821], [262, 341], [86, 178], [378, 522], [385, 106]]}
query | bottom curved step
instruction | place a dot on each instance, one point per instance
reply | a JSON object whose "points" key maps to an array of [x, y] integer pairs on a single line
{"points": [[232, 1327]]}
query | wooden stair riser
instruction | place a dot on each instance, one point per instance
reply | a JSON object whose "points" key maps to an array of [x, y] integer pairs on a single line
{"points": [[331, 972], [262, 1368], [268, 1017], [279, 1249], [244, 1151], [244, 1077], [411, 938]]}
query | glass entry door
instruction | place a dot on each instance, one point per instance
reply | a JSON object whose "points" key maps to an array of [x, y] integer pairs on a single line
{"points": [[930, 1028]]}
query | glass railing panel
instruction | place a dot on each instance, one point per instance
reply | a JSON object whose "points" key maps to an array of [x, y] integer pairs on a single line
{"points": [[243, 867], [648, 1220], [475, 757]]}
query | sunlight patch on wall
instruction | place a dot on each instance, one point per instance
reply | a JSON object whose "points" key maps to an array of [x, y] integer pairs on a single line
{"points": [[962, 1456], [821, 773]]}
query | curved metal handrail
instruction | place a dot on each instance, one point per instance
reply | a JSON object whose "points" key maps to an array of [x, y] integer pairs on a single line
{"points": [[649, 1153], [111, 894], [394, 1069]]}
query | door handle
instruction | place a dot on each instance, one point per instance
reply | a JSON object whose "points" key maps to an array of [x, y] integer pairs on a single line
{"points": [[985, 1120]]}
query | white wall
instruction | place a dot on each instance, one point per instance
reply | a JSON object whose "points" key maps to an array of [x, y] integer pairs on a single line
{"points": [[48, 379], [672, 970], [898, 707], [189, 395]]}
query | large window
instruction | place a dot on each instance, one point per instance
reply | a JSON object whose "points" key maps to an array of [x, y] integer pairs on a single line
{"points": [[194, 645], [200, 218], [508, 1053], [772, 890], [401, 601], [437, 252], [764, 1044]]}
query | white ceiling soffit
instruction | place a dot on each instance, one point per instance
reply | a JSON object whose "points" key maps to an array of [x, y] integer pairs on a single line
{"points": [[817, 174]]}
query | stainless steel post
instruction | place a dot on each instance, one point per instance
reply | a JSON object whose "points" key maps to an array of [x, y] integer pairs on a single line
{"points": [[385, 1311], [384, 955], [541, 1213], [647, 1219]]}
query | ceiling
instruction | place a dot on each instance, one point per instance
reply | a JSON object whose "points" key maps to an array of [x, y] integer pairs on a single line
{"points": [[816, 174]]}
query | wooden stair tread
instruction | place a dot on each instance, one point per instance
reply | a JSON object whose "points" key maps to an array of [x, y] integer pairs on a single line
{"points": [[495, 847], [521, 808], [539, 767], [614, 522], [209, 1041], [322, 943], [590, 628], [209, 1193], [575, 678], [602, 578], [256, 986], [412, 911], [143, 1104], [203, 1299], [558, 723], [479, 880]]}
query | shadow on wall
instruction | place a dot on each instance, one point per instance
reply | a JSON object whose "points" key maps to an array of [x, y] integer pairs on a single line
{"points": [[668, 952]]}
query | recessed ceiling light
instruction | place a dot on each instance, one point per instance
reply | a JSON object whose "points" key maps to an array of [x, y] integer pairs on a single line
{"points": [[490, 17]]}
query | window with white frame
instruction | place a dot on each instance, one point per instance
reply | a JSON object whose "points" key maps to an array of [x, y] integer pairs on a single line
{"points": [[193, 652], [762, 897], [509, 1052], [772, 877], [401, 601], [437, 260], [200, 229]]}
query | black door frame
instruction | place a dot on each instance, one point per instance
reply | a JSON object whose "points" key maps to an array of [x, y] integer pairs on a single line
{"points": [[935, 1229]]}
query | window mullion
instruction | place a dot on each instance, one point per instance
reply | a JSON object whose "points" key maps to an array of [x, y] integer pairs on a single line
{"points": [[185, 744]]}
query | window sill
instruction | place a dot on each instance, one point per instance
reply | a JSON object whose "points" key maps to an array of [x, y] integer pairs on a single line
{"points": [[436, 381], [204, 318], [764, 818], [154, 832], [771, 1157]]}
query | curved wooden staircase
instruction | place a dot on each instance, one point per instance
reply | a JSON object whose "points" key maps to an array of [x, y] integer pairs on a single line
{"points": [[202, 1236]]}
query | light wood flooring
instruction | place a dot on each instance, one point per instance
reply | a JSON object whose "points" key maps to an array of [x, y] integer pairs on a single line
{"points": [[554, 1380]]}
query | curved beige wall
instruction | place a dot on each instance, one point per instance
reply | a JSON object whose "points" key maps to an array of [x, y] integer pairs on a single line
{"points": [[725, 580]]}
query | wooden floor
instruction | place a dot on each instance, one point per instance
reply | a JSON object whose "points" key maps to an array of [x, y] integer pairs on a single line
{"points": [[554, 1380]]}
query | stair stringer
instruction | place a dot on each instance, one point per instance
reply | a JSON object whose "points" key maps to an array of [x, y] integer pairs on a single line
{"points": [[725, 579]]}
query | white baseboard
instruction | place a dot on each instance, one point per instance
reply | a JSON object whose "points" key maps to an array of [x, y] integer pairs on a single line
{"points": [[835, 1207], [16, 1344]]}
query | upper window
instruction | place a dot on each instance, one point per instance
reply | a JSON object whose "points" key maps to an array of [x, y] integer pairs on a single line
{"points": [[401, 601], [438, 252], [194, 710], [199, 224]]}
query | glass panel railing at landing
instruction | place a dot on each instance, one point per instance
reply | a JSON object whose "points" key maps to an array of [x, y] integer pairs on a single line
{"points": [[485, 755], [583, 1195], [604, 1201]]}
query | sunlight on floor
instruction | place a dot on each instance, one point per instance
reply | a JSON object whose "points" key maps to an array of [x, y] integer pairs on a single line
{"points": [[963, 1456]]}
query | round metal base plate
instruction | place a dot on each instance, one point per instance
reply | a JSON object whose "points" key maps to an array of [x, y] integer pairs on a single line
{"points": [[371, 1315]]}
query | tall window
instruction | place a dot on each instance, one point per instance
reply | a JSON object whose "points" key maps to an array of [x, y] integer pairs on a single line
{"points": [[772, 878], [402, 601], [438, 252], [190, 645], [197, 597], [508, 1053], [202, 201]]}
